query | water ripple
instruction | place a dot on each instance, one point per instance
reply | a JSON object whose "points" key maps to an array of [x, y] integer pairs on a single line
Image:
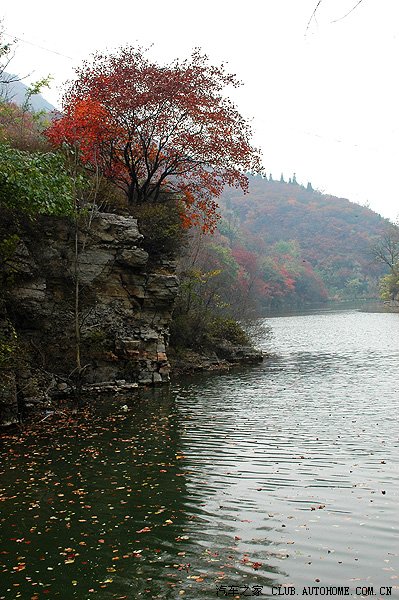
{"points": [[307, 435]]}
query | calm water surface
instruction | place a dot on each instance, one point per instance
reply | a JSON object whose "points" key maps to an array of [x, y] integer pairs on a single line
{"points": [[284, 473]]}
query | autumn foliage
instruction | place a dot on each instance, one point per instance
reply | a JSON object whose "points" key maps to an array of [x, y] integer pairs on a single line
{"points": [[159, 132], [308, 245]]}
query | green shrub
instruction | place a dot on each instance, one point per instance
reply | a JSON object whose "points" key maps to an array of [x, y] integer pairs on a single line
{"points": [[34, 183], [226, 329], [162, 229], [109, 197], [186, 331], [195, 330]]}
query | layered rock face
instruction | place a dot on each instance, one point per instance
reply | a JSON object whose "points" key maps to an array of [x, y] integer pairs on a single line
{"points": [[125, 305]]}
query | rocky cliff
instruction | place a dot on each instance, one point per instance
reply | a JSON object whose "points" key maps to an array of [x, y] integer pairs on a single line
{"points": [[125, 307]]}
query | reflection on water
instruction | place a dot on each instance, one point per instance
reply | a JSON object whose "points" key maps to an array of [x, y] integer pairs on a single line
{"points": [[282, 473]]}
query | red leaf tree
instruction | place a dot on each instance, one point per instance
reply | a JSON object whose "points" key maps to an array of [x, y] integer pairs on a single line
{"points": [[157, 131]]}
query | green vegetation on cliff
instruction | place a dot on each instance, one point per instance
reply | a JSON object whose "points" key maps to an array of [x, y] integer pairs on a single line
{"points": [[71, 274], [34, 183]]}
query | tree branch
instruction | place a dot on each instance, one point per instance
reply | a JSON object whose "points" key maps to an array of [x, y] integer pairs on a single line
{"points": [[312, 16], [348, 13], [316, 8]]}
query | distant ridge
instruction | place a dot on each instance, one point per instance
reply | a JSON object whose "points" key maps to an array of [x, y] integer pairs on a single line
{"points": [[332, 234], [15, 91]]}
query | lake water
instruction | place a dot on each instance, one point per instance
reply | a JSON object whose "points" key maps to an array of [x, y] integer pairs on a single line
{"points": [[283, 474]]}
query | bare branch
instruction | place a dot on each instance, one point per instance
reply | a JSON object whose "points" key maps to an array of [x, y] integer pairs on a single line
{"points": [[313, 15], [348, 13], [386, 251]]}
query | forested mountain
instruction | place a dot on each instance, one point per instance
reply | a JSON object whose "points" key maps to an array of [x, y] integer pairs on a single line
{"points": [[294, 245]]}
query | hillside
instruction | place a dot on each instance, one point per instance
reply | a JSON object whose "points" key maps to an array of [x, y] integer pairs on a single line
{"points": [[300, 234]]}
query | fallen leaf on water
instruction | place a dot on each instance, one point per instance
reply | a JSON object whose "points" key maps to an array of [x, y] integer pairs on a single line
{"points": [[144, 530]]}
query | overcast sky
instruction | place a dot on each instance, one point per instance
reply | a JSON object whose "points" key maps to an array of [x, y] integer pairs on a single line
{"points": [[324, 101]]}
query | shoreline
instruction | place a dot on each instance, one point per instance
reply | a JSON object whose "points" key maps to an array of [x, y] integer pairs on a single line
{"points": [[225, 357]]}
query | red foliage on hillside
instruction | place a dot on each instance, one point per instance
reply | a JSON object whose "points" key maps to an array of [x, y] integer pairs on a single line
{"points": [[309, 245]]}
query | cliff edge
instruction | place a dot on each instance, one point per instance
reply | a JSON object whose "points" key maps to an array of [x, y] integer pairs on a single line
{"points": [[124, 310]]}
